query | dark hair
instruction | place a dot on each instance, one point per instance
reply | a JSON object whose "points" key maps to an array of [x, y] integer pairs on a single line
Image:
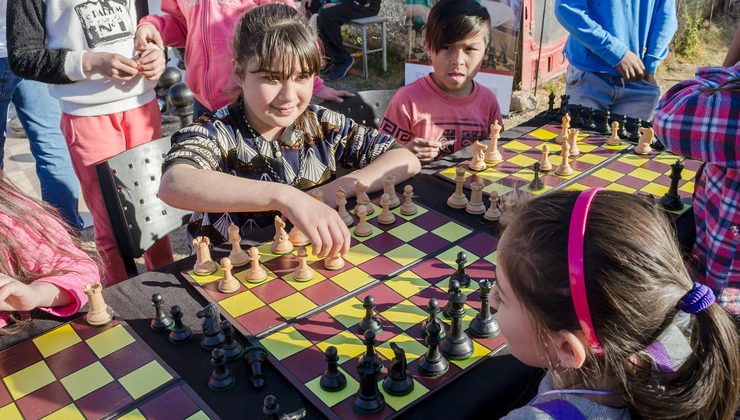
{"points": [[452, 21], [634, 280]]}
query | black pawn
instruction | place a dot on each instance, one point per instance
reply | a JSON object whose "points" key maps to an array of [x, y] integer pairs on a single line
{"points": [[333, 379], [457, 345], [231, 347], [161, 322], [432, 310], [433, 363], [213, 336], [564, 101], [576, 114], [484, 325], [254, 357], [623, 133], [370, 321], [603, 126], [180, 333], [589, 123], [671, 200], [221, 378], [460, 275], [536, 184], [398, 382], [271, 409], [369, 399], [635, 133], [551, 113]]}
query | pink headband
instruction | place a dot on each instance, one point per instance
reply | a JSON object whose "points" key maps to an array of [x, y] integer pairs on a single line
{"points": [[576, 234]]}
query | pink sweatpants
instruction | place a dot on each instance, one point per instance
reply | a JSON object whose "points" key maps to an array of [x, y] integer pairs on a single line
{"points": [[92, 140]]}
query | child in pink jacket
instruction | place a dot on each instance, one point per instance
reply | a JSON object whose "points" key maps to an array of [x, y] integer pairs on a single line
{"points": [[41, 265], [206, 30]]}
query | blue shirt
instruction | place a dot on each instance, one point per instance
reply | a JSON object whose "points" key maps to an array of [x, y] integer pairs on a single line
{"points": [[602, 31]]}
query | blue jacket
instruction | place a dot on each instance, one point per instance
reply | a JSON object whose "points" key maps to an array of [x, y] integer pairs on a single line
{"points": [[602, 31]]}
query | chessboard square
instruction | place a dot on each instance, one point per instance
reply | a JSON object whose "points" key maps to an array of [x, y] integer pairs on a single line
{"points": [[383, 243], [586, 149], [619, 187], [300, 285], [450, 172], [292, 306], [655, 189], [145, 379], [481, 269], [384, 296], [593, 159], [109, 341], [479, 352], [259, 320], [666, 158], [451, 231], [333, 398], [359, 254], [405, 315], [543, 134], [577, 187], [273, 291], [20, 356], [688, 187], [491, 175], [46, 400], [407, 284], [633, 159], [86, 380], [126, 359], [353, 279], [491, 258], [200, 415], [285, 342], [347, 343], [608, 174], [419, 211], [433, 270], [380, 266], [516, 146], [306, 364], [429, 243], [324, 292], [348, 313], [480, 244], [56, 340], [407, 232], [522, 160], [413, 348], [526, 174], [69, 412], [10, 412], [398, 403], [498, 188], [645, 174], [241, 303], [104, 401], [208, 278], [133, 415], [266, 252], [449, 257], [29, 379], [70, 359], [405, 254], [472, 287]]}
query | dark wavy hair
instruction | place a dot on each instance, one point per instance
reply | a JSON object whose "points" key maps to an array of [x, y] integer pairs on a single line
{"points": [[452, 21]]}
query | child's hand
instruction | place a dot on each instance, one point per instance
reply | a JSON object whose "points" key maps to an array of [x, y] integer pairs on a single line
{"points": [[110, 65], [16, 295], [631, 67], [146, 34], [328, 93], [425, 150], [152, 63], [319, 222]]}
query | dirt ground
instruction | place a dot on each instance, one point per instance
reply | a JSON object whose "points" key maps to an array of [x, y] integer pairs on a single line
{"points": [[714, 45]]}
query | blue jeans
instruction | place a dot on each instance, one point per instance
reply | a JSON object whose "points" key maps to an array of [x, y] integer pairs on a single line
{"points": [[602, 92], [40, 115]]}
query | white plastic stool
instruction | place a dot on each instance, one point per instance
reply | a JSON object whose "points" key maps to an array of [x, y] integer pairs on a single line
{"points": [[362, 24]]}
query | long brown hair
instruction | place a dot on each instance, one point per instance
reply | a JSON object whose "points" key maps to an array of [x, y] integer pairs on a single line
{"points": [[634, 280], [277, 33]]}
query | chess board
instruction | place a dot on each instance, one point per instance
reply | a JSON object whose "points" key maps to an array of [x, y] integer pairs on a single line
{"points": [[298, 350], [76, 371], [649, 174], [519, 156], [259, 308]]}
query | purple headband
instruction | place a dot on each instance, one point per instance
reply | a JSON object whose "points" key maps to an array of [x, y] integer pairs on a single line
{"points": [[697, 299]]}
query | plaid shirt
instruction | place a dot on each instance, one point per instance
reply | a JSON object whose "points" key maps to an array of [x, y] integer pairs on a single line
{"points": [[706, 126]]}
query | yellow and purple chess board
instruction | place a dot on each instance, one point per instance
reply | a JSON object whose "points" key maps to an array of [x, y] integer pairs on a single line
{"points": [[401, 301], [76, 371], [515, 172], [257, 308]]}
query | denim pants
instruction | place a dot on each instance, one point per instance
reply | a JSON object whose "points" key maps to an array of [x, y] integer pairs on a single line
{"points": [[602, 91], [40, 115]]}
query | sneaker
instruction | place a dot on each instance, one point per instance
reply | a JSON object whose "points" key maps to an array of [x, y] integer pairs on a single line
{"points": [[340, 69]]}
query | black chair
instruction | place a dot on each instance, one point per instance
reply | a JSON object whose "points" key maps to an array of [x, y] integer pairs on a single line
{"points": [[366, 107], [129, 182]]}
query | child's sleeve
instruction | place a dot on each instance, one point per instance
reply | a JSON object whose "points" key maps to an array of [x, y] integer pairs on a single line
{"points": [[700, 123], [27, 53], [662, 29], [573, 15], [204, 146], [172, 25], [397, 119]]}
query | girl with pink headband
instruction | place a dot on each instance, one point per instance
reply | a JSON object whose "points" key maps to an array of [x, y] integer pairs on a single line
{"points": [[598, 299]]}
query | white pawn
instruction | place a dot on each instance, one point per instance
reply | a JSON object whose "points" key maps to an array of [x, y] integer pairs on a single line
{"points": [[342, 207], [408, 208], [475, 205], [564, 169], [573, 139], [386, 217], [389, 184], [237, 256], [545, 164], [228, 283], [303, 272], [614, 140], [494, 212], [204, 265], [255, 273], [458, 200]]}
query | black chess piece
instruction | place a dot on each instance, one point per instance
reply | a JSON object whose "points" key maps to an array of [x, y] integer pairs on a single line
{"points": [[231, 346], [623, 133], [254, 357], [551, 112], [603, 125], [432, 310], [221, 378], [460, 275], [370, 321], [589, 123], [576, 114], [333, 379], [564, 101], [484, 325], [271, 409], [457, 345], [161, 322], [671, 200], [635, 133], [398, 382], [180, 333], [369, 399], [213, 336], [433, 363], [536, 184]]}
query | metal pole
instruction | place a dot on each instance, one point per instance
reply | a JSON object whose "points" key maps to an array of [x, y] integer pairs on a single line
{"points": [[539, 52]]}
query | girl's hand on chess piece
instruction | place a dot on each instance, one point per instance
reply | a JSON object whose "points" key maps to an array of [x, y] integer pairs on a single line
{"points": [[319, 222], [151, 63], [425, 150], [114, 66], [18, 296]]}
